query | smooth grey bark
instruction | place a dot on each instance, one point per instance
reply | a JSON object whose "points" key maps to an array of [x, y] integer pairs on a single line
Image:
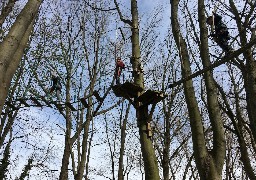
{"points": [[13, 45], [209, 163], [122, 148], [147, 149]]}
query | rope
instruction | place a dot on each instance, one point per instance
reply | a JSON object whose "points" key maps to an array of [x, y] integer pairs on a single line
{"points": [[215, 64]]}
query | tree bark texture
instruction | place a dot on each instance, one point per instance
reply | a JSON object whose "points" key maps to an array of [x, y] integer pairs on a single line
{"points": [[13, 45], [209, 164], [249, 72], [68, 145], [148, 152], [122, 148], [219, 143]]}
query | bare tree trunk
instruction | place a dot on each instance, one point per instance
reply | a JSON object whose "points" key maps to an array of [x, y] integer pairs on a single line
{"points": [[238, 127], [12, 47], [166, 148], [147, 149], [6, 11], [219, 143], [148, 152], [249, 71], [209, 163], [121, 153], [68, 145]]}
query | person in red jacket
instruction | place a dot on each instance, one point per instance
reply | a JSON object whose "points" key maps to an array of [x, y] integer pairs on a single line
{"points": [[119, 66]]}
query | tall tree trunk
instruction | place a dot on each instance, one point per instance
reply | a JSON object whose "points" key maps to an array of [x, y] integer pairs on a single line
{"points": [[209, 164], [121, 153], [81, 165], [219, 143], [166, 148], [148, 152], [249, 73], [89, 115], [238, 127], [6, 11], [13, 45], [68, 144]]}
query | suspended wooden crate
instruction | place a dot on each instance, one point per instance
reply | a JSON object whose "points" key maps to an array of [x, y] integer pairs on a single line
{"points": [[70, 106], [151, 97], [127, 90], [83, 101]]}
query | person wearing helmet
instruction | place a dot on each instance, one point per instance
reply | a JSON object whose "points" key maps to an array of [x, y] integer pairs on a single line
{"points": [[221, 35], [119, 66], [56, 85]]}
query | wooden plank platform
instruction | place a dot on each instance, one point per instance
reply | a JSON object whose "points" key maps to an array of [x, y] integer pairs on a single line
{"points": [[36, 102], [151, 97], [70, 106], [127, 90], [83, 101]]}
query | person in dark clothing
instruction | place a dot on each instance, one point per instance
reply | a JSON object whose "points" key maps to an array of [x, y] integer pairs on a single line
{"points": [[56, 85], [119, 66], [221, 35]]}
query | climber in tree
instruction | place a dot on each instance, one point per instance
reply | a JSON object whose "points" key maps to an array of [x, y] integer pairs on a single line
{"points": [[56, 85], [221, 35], [119, 66]]}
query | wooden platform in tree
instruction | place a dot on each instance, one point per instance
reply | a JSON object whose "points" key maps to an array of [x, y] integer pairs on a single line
{"points": [[127, 90], [151, 97]]}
